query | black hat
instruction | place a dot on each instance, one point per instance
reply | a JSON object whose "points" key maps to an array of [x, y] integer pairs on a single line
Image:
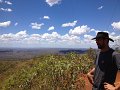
{"points": [[103, 35]]}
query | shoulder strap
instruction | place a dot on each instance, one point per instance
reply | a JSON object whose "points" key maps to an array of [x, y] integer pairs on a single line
{"points": [[97, 57], [114, 53]]}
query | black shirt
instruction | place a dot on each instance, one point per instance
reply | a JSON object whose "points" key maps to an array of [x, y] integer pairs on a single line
{"points": [[107, 65]]}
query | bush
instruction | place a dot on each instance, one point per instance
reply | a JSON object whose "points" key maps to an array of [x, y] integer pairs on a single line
{"points": [[50, 72]]}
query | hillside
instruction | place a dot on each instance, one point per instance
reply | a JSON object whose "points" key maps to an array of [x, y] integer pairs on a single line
{"points": [[46, 72]]}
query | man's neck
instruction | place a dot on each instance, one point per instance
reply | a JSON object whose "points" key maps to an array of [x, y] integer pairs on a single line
{"points": [[105, 49]]}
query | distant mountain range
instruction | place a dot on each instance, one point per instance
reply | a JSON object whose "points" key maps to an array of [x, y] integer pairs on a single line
{"points": [[72, 50], [25, 53]]}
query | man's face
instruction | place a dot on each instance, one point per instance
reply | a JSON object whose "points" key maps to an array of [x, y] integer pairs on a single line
{"points": [[100, 43]]}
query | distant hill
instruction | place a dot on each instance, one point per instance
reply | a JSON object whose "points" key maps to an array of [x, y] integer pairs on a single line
{"points": [[72, 50], [25, 53]]}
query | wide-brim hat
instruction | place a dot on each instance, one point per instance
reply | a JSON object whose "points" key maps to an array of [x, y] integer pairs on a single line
{"points": [[103, 35]]}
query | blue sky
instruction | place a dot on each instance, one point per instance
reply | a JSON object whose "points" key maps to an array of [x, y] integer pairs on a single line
{"points": [[57, 23]]}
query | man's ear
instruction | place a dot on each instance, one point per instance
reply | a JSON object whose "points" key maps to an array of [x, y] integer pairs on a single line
{"points": [[106, 40]]}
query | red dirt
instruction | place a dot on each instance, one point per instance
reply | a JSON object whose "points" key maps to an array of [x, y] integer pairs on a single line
{"points": [[88, 86]]}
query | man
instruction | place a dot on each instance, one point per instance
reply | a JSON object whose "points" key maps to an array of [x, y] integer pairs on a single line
{"points": [[107, 63]]}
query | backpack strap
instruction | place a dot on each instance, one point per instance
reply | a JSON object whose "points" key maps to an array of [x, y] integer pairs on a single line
{"points": [[113, 56], [114, 53], [97, 57]]}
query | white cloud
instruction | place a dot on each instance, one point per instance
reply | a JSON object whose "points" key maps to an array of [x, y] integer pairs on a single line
{"points": [[46, 17], [114, 36], [1, 1], [79, 30], [21, 34], [88, 40], [36, 25], [5, 24], [51, 28], [6, 37], [8, 2], [6, 10], [101, 7], [16, 24], [52, 36], [113, 33], [89, 37], [116, 39], [54, 39], [14, 37], [52, 2], [116, 25], [34, 37], [69, 24], [70, 39], [38, 40]]}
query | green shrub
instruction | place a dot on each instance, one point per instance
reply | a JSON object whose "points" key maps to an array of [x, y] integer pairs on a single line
{"points": [[50, 72]]}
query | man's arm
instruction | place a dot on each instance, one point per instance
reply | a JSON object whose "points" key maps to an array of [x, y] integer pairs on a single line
{"points": [[90, 75], [117, 57], [108, 86], [117, 83], [116, 86]]}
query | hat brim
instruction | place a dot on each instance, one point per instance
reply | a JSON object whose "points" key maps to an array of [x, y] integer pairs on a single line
{"points": [[111, 39], [101, 37]]}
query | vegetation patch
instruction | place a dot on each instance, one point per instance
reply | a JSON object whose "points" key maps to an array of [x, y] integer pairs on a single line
{"points": [[49, 72]]}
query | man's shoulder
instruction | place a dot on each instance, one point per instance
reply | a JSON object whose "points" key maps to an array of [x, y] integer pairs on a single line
{"points": [[115, 53]]}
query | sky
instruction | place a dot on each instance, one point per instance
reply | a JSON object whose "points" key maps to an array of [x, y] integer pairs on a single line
{"points": [[57, 23]]}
